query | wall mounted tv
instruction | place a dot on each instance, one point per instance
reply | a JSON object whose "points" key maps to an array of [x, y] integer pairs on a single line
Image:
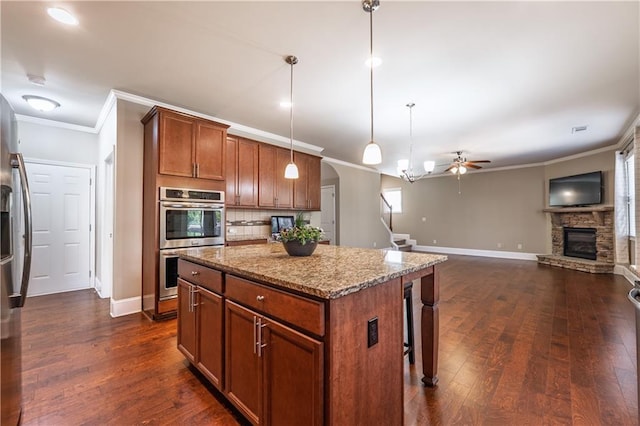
{"points": [[578, 190]]}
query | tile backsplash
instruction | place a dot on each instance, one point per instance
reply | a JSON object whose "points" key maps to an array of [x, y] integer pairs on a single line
{"points": [[254, 223]]}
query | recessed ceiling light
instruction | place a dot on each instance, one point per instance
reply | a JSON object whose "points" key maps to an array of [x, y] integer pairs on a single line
{"points": [[40, 103], [375, 61], [61, 15], [577, 129]]}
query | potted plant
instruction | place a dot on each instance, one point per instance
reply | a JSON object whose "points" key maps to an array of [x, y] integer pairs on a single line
{"points": [[302, 239]]}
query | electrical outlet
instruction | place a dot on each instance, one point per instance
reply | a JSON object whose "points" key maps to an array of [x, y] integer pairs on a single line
{"points": [[372, 332], [424, 219], [435, 241], [374, 244], [519, 246], [499, 245]]}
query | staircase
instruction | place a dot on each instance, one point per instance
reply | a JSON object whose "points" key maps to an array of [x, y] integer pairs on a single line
{"points": [[399, 242], [402, 244]]}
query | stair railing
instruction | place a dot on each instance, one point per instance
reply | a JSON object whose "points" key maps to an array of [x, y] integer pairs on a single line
{"points": [[388, 226]]}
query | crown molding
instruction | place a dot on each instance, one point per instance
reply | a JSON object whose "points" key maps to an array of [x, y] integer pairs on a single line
{"points": [[53, 123]]}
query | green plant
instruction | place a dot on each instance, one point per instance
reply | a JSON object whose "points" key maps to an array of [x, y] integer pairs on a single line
{"points": [[301, 232]]}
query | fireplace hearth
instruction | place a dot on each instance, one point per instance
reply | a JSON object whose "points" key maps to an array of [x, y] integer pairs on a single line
{"points": [[580, 242], [589, 246]]}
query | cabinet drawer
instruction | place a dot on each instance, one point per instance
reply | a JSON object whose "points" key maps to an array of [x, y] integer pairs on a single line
{"points": [[298, 311], [200, 275]]}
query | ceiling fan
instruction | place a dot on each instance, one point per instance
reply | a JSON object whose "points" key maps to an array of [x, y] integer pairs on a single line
{"points": [[460, 165]]}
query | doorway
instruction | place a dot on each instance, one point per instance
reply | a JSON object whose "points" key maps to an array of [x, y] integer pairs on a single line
{"points": [[62, 209], [105, 281], [328, 212]]}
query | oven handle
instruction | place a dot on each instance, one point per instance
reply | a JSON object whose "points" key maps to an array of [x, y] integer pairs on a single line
{"points": [[193, 206]]}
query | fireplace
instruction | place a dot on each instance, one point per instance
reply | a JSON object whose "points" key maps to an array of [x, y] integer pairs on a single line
{"points": [[580, 242]]}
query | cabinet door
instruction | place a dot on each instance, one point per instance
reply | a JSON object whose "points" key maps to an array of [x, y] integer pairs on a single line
{"points": [[210, 342], [284, 187], [175, 145], [267, 169], [231, 171], [313, 183], [293, 378], [300, 185], [209, 150], [243, 367], [247, 173], [186, 320]]}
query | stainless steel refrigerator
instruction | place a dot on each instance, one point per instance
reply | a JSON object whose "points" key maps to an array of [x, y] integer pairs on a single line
{"points": [[15, 263]]}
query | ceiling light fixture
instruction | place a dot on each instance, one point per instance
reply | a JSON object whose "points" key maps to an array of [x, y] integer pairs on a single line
{"points": [[291, 171], [40, 103], [62, 16], [372, 154], [405, 167]]}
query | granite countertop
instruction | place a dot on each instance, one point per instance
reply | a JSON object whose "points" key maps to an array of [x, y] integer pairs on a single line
{"points": [[329, 273]]}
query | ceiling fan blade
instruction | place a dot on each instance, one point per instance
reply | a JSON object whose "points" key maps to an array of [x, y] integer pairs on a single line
{"points": [[479, 161], [449, 168], [473, 166]]}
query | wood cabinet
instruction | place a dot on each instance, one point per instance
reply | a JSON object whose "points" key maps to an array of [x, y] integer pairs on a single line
{"points": [[274, 190], [180, 151], [241, 172], [278, 382], [200, 320], [186, 320], [189, 146], [306, 189]]}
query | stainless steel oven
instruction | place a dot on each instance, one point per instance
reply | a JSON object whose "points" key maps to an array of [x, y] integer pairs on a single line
{"points": [[168, 282], [190, 217]]}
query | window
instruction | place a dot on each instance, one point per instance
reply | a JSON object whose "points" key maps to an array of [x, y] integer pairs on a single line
{"points": [[631, 194], [394, 197]]}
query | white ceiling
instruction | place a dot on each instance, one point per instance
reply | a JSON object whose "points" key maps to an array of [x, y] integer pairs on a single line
{"points": [[503, 81]]}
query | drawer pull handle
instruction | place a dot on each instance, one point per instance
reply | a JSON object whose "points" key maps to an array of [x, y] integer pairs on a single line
{"points": [[194, 273], [260, 298]]}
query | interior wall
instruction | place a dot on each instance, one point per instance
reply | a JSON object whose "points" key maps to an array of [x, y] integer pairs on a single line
{"points": [[57, 144], [329, 176], [359, 214], [106, 143], [127, 241], [495, 211]]}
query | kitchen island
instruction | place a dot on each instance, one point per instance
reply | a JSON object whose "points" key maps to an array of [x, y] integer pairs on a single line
{"points": [[305, 340]]}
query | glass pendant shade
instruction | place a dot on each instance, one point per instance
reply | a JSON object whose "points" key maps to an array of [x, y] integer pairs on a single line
{"points": [[429, 166], [454, 170], [372, 154], [291, 172], [462, 170]]}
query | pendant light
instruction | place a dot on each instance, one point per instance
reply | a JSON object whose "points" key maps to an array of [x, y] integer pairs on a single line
{"points": [[291, 172], [405, 167], [372, 153]]}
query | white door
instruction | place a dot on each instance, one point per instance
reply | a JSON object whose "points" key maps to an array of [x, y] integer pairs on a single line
{"points": [[60, 203], [328, 212]]}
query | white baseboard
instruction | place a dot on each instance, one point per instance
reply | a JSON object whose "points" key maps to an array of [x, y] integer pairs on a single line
{"points": [[123, 307], [625, 272], [99, 289], [474, 252]]}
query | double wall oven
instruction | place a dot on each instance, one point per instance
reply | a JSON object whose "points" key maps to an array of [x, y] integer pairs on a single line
{"points": [[188, 218]]}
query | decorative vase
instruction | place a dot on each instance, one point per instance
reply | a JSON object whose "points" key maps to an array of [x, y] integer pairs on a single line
{"points": [[294, 248]]}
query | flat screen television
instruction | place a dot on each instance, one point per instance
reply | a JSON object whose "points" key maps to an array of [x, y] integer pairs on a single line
{"points": [[578, 190]]}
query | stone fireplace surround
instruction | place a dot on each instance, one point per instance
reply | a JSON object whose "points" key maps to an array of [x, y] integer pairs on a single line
{"points": [[598, 217]]}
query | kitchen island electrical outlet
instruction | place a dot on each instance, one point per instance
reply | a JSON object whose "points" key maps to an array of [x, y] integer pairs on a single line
{"points": [[372, 332]]}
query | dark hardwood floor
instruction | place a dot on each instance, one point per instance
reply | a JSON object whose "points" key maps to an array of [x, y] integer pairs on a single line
{"points": [[520, 344]]}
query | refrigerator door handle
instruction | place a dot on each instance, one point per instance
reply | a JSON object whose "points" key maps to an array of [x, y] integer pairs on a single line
{"points": [[18, 162]]}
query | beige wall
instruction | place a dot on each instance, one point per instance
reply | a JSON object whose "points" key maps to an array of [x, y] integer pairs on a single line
{"points": [[494, 208], [359, 213], [57, 144], [127, 242]]}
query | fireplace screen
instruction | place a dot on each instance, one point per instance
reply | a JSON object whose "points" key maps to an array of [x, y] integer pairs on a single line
{"points": [[580, 242]]}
